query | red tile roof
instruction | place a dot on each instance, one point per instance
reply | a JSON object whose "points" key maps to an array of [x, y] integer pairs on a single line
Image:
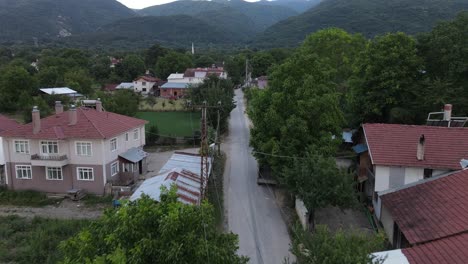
{"points": [[110, 87], [396, 145], [7, 123], [91, 124], [431, 210], [451, 250], [148, 79]]}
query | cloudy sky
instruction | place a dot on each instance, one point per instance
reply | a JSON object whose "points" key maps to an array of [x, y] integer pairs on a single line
{"points": [[138, 4]]}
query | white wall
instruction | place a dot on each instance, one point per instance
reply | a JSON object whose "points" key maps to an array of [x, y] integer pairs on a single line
{"points": [[382, 174], [387, 222], [138, 86], [2, 154], [123, 145], [413, 175], [301, 211]]}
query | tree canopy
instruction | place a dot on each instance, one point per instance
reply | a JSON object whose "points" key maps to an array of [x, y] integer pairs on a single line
{"points": [[172, 62], [145, 231]]}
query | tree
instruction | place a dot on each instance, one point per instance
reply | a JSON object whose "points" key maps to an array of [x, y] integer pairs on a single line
{"points": [[151, 101], [12, 80], [152, 135], [50, 77], [388, 75], [214, 90], [79, 80], [153, 54], [325, 247], [145, 231], [235, 66], [172, 62], [261, 62], [204, 61], [131, 67], [124, 102], [318, 182], [299, 111]]}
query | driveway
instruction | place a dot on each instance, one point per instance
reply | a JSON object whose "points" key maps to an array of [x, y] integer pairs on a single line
{"points": [[252, 210]]}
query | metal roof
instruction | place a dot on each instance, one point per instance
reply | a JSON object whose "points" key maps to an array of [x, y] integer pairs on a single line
{"points": [[175, 85], [360, 148], [391, 257], [134, 154], [187, 161], [58, 90], [176, 76], [125, 85]]}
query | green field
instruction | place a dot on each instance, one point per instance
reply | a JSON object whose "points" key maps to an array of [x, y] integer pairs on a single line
{"points": [[173, 123]]}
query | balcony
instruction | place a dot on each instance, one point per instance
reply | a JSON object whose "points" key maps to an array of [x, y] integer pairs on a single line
{"points": [[49, 161]]}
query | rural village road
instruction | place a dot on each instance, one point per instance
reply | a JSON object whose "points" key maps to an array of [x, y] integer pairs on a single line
{"points": [[252, 211]]}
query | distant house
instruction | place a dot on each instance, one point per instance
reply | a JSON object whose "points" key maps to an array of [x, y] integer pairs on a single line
{"points": [[5, 124], [146, 84], [391, 156], [182, 170], [110, 88], [173, 90], [428, 220], [114, 62], [202, 73], [125, 85], [82, 148], [61, 91]]}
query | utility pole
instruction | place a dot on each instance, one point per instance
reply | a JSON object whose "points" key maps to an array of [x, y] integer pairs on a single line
{"points": [[204, 147], [246, 71]]}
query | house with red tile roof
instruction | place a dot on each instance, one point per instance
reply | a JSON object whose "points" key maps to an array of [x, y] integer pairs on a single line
{"points": [[84, 148], [146, 84], [5, 124], [428, 220], [393, 155]]}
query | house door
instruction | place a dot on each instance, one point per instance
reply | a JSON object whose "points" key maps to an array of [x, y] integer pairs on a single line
{"points": [[175, 94], [140, 166]]}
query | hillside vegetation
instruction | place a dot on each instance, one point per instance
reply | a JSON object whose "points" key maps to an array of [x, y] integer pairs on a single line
{"points": [[369, 17]]}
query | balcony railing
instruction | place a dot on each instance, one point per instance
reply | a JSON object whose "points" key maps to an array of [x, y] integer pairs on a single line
{"points": [[51, 158]]}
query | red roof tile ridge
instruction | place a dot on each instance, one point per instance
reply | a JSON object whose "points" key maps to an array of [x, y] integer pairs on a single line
{"points": [[92, 123]]}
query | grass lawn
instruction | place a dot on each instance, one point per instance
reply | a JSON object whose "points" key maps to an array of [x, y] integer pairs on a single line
{"points": [[35, 240], [173, 123]]}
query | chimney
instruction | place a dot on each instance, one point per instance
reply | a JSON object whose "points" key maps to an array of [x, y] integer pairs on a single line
{"points": [[58, 107], [447, 112], [99, 105], [421, 146], [36, 120], [72, 115]]}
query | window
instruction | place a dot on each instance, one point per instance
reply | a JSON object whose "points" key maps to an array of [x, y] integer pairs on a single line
{"points": [[54, 173], [144, 89], [126, 136], [115, 168], [22, 146], [427, 173], [143, 83], [85, 174], [113, 144], [23, 172], [83, 148], [136, 134], [49, 147]]}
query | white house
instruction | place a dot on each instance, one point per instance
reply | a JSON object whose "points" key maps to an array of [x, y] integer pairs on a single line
{"points": [[146, 84], [392, 155], [5, 124]]}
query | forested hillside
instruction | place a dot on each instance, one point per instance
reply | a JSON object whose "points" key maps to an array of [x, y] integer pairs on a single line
{"points": [[369, 17], [262, 14], [25, 19]]}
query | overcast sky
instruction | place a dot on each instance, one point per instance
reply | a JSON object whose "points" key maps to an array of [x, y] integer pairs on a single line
{"points": [[138, 4]]}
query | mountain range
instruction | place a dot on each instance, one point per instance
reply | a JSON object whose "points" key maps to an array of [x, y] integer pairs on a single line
{"points": [[264, 24]]}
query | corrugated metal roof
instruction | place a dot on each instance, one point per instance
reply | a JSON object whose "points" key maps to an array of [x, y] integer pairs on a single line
{"points": [[187, 161], [134, 154], [175, 76], [125, 85], [58, 90], [175, 85]]}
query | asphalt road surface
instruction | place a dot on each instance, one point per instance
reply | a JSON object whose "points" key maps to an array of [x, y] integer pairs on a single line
{"points": [[252, 211]]}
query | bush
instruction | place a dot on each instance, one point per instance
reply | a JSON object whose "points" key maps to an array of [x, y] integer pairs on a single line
{"points": [[25, 198]]}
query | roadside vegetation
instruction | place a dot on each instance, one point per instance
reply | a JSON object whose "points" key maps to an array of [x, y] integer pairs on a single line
{"points": [[216, 190], [36, 240], [26, 198]]}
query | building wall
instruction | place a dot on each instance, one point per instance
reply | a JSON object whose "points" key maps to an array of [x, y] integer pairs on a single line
{"points": [[169, 92], [387, 222], [2, 154], [70, 179], [138, 86], [262, 83], [122, 144]]}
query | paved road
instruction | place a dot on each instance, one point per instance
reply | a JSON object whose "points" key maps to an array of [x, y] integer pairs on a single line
{"points": [[252, 211]]}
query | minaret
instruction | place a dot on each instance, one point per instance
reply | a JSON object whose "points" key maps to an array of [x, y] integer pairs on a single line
{"points": [[193, 49]]}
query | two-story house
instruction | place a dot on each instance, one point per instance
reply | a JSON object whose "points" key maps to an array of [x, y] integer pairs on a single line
{"points": [[5, 124], [146, 84], [392, 155], [83, 148]]}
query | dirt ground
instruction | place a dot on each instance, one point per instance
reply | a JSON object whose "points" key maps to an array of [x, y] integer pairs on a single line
{"points": [[65, 209]]}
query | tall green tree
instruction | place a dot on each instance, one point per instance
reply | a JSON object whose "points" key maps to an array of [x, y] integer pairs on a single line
{"points": [[146, 231], [299, 111], [172, 62], [80, 80], [318, 182], [261, 62], [131, 67], [153, 54], [388, 75], [15, 81], [214, 90], [124, 102]]}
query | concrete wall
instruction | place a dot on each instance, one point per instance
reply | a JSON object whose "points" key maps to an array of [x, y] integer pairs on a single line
{"points": [[2, 154], [301, 211]]}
